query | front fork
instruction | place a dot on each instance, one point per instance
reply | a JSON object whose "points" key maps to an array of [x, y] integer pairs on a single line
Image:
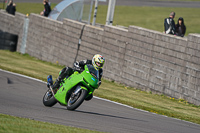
{"points": [[51, 90], [77, 90]]}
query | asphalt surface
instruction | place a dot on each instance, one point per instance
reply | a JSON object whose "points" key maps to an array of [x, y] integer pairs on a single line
{"points": [[156, 3], [22, 97]]}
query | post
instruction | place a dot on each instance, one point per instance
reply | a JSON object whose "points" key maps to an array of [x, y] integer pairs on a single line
{"points": [[4, 3], [91, 6], [81, 14], [110, 12], [24, 36], [95, 12]]}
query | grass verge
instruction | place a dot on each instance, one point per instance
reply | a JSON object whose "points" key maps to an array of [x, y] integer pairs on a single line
{"points": [[11, 124], [159, 104]]}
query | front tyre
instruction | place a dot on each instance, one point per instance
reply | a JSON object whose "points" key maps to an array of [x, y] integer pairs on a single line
{"points": [[48, 99], [76, 100]]}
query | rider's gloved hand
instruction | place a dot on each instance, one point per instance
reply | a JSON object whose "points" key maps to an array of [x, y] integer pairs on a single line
{"points": [[76, 66]]}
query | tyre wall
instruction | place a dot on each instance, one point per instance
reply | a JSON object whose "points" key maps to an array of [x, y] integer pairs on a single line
{"points": [[8, 41], [12, 24], [138, 57]]}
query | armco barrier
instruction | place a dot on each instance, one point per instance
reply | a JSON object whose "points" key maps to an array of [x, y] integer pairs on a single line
{"points": [[137, 57]]}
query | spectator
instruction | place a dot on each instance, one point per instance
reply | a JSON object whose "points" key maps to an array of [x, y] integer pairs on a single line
{"points": [[180, 27], [169, 24], [47, 8], [11, 8]]}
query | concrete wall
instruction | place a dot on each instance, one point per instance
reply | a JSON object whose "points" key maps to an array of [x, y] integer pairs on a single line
{"points": [[53, 41], [163, 63], [137, 57]]}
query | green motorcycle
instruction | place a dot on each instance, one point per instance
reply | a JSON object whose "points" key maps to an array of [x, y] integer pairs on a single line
{"points": [[74, 89]]}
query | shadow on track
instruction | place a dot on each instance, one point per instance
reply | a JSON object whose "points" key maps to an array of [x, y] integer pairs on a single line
{"points": [[105, 115]]}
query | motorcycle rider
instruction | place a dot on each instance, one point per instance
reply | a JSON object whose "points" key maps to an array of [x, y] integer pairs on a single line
{"points": [[97, 61]]}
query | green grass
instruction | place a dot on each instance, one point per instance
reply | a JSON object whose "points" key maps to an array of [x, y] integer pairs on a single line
{"points": [[151, 17], [27, 8], [11, 124], [160, 104], [146, 17], [29, 64]]}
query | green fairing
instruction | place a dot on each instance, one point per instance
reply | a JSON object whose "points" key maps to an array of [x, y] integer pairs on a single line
{"points": [[86, 81]]}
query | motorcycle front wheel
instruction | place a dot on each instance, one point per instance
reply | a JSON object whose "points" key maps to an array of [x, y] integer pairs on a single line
{"points": [[48, 99], [76, 100]]}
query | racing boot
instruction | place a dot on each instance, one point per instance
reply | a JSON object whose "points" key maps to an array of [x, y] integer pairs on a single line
{"points": [[89, 97], [64, 73], [49, 81], [56, 84]]}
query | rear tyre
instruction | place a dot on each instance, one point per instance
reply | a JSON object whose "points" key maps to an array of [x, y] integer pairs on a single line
{"points": [[76, 100], [48, 99]]}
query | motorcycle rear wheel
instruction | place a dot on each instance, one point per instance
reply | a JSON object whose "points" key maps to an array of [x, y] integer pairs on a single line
{"points": [[75, 101], [48, 99]]}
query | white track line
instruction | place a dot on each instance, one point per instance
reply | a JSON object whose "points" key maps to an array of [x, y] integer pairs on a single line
{"points": [[99, 98]]}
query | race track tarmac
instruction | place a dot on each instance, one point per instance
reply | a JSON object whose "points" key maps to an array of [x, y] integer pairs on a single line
{"points": [[22, 97]]}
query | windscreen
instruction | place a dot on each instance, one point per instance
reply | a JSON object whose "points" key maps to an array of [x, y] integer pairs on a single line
{"points": [[93, 71]]}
